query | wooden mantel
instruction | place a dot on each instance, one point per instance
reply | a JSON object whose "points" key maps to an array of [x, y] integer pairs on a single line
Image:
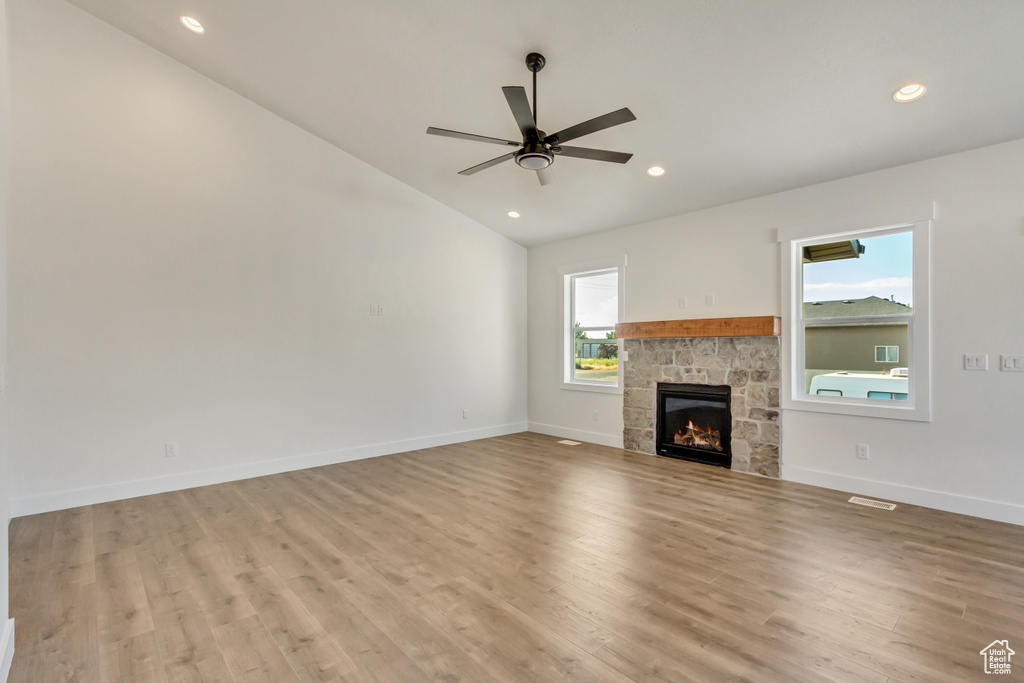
{"points": [[754, 326]]}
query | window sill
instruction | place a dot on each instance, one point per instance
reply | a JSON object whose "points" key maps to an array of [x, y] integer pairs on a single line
{"points": [[595, 388], [860, 408]]}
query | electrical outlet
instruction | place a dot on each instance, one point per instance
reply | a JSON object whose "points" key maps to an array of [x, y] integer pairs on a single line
{"points": [[465, 413], [597, 416], [625, 356], [682, 302], [1008, 364], [863, 451], [710, 299], [975, 361], [171, 450]]}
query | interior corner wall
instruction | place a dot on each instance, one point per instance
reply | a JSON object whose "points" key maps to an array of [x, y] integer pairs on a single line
{"points": [[968, 458], [5, 515], [188, 268]]}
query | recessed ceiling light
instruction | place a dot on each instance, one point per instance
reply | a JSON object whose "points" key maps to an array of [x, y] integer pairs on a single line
{"points": [[513, 214], [655, 171], [908, 93], [192, 25]]}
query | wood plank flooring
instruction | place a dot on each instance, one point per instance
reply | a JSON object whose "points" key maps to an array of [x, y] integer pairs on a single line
{"points": [[511, 559]]}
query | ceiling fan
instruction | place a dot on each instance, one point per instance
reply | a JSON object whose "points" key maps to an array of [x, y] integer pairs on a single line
{"points": [[537, 151]]}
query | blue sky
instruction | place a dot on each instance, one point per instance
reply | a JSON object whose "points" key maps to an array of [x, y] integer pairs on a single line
{"points": [[597, 301], [885, 270]]}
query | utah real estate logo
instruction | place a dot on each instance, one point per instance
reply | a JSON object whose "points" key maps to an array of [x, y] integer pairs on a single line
{"points": [[997, 657]]}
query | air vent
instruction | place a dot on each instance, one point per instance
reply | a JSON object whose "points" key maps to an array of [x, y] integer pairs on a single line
{"points": [[872, 503], [569, 443]]}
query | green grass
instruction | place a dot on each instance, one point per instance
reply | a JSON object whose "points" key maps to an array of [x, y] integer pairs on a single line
{"points": [[597, 363]]}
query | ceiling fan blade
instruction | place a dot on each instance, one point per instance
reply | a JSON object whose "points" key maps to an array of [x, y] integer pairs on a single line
{"points": [[614, 118], [595, 154], [487, 164], [520, 106], [544, 176], [469, 136]]}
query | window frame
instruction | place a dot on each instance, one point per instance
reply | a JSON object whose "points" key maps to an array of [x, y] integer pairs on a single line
{"points": [[567, 274], [914, 219], [886, 354]]}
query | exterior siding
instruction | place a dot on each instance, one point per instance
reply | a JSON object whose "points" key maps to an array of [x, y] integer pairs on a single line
{"points": [[853, 347]]}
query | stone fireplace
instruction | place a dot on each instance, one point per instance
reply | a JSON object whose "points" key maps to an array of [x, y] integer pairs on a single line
{"points": [[721, 352]]}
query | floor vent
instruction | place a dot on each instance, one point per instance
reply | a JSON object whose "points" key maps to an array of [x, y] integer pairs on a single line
{"points": [[873, 503], [567, 442]]}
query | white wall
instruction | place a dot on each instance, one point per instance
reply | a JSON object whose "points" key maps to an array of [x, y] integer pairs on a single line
{"points": [[969, 458], [708, 252], [6, 634], [186, 267]]}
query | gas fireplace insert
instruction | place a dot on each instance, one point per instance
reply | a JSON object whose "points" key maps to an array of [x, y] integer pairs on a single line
{"points": [[694, 422]]}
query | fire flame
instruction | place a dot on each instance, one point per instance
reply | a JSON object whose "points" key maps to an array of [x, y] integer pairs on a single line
{"points": [[699, 437]]}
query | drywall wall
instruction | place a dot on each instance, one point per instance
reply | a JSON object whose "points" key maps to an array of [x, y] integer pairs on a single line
{"points": [[968, 459], [188, 268], [6, 627], [709, 252]]}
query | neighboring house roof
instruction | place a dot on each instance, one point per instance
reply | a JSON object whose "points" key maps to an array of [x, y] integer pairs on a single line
{"points": [[869, 306]]}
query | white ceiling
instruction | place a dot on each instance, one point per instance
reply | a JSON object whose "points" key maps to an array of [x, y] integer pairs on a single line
{"points": [[735, 98]]}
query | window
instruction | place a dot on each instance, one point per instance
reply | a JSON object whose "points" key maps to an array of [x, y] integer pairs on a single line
{"points": [[888, 395], [592, 307], [856, 316], [887, 354]]}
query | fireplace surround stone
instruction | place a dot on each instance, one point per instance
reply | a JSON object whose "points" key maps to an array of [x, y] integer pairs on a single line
{"points": [[750, 365]]}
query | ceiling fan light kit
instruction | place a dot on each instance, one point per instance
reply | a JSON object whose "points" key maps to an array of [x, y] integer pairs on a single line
{"points": [[533, 157], [537, 151]]}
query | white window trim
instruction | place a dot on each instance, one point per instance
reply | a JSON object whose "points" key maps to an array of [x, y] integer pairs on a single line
{"points": [[887, 347], [916, 219], [567, 337]]}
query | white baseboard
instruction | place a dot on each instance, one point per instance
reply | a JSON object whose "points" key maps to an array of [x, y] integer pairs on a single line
{"points": [[613, 440], [62, 500], [6, 649], [939, 500]]}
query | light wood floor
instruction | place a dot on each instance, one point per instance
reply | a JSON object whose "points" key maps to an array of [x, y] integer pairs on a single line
{"points": [[511, 559]]}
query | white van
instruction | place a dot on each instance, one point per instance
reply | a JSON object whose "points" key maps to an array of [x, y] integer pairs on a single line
{"points": [[892, 386]]}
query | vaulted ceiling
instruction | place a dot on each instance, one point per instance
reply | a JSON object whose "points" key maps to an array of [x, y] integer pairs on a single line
{"points": [[734, 98]]}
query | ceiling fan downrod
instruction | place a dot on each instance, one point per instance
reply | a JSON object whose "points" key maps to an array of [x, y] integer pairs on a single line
{"points": [[535, 62]]}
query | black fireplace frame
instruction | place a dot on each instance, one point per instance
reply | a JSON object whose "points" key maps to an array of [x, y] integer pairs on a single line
{"points": [[707, 392]]}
